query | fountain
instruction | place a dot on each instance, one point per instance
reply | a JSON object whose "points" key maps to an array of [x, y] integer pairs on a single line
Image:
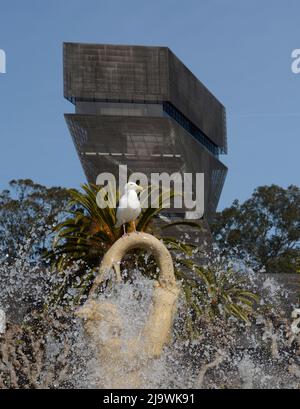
{"points": [[133, 333], [134, 353]]}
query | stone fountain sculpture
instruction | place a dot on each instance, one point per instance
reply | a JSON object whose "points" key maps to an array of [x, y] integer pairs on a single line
{"points": [[122, 360]]}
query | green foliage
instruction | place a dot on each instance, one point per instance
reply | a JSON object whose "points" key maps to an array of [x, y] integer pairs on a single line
{"points": [[85, 232], [89, 232], [264, 229], [27, 209], [214, 290], [85, 235], [222, 293]]}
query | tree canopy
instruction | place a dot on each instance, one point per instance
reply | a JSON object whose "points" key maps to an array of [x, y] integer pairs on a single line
{"points": [[27, 209], [264, 229]]}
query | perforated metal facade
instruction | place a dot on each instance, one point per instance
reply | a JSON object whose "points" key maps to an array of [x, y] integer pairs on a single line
{"points": [[123, 96]]}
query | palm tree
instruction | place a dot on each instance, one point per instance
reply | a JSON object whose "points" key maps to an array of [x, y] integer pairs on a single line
{"points": [[85, 236], [215, 291], [89, 231]]}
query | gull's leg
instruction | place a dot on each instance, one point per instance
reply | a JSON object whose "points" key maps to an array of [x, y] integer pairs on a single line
{"points": [[134, 228], [124, 230]]}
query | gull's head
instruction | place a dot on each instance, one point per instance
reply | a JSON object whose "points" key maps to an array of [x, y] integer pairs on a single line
{"points": [[132, 186]]}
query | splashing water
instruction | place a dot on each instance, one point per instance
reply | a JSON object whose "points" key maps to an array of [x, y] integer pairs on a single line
{"points": [[228, 354]]}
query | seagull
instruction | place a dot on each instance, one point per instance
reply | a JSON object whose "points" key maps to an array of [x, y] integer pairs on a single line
{"points": [[129, 207]]}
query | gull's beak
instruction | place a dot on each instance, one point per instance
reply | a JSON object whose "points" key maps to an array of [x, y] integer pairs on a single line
{"points": [[139, 188]]}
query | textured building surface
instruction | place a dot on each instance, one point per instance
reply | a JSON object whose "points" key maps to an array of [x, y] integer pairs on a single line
{"points": [[142, 107]]}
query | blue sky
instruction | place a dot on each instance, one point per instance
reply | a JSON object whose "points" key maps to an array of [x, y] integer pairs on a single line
{"points": [[241, 50]]}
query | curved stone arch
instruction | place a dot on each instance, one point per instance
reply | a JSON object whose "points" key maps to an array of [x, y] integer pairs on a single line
{"points": [[112, 259], [157, 328]]}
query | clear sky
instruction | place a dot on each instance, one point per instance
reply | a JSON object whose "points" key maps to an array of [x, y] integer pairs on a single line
{"points": [[241, 50]]}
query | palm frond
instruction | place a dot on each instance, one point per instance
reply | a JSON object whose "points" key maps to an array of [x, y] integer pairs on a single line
{"points": [[183, 223], [89, 231]]}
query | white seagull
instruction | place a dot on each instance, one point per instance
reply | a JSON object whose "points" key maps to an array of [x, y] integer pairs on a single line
{"points": [[129, 207]]}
